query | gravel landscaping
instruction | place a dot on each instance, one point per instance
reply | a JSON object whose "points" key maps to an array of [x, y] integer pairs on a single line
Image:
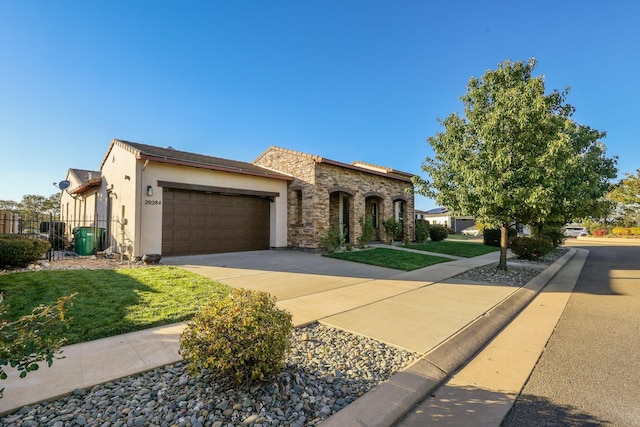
{"points": [[326, 370], [519, 272]]}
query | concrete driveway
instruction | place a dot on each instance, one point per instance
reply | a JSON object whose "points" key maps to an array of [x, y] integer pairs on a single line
{"points": [[411, 310]]}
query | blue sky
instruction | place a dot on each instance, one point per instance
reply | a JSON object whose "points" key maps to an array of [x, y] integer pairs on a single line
{"points": [[347, 80]]}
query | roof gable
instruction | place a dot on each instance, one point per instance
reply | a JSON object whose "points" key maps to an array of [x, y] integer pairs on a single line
{"points": [[358, 166], [185, 158]]}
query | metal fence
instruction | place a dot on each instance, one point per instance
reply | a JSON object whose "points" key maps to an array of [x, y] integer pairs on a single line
{"points": [[69, 238]]}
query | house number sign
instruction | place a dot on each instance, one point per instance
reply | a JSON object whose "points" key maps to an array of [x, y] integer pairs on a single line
{"points": [[152, 202]]}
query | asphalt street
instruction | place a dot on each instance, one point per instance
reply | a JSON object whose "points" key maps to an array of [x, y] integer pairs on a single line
{"points": [[589, 373]]}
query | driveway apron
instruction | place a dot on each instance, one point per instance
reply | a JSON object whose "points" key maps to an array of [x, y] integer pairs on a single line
{"points": [[413, 310]]}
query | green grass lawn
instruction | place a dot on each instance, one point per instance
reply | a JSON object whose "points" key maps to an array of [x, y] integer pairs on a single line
{"points": [[112, 302], [390, 258], [462, 249]]}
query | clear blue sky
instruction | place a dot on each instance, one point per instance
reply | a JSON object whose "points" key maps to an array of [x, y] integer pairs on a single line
{"points": [[347, 80]]}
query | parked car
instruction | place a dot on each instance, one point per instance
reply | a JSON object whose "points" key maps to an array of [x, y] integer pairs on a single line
{"points": [[576, 231], [470, 231]]}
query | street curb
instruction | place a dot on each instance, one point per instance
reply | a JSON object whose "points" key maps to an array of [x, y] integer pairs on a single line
{"points": [[391, 400]]}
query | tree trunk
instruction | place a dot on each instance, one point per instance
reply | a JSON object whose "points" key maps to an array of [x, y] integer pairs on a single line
{"points": [[540, 232], [504, 236]]}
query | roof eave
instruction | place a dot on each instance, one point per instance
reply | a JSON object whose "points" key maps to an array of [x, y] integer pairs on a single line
{"points": [[177, 162]]}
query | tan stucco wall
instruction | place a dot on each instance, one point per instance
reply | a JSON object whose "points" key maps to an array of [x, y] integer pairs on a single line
{"points": [[119, 182], [151, 206]]}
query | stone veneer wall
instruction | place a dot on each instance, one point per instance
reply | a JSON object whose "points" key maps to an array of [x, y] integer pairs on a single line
{"points": [[314, 180], [362, 183]]}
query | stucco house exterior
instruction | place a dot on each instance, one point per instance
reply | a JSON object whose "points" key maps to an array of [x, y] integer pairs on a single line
{"points": [[154, 200], [326, 194], [443, 217], [81, 203]]}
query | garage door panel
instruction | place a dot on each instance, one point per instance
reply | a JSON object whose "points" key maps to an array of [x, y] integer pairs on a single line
{"points": [[197, 222]]}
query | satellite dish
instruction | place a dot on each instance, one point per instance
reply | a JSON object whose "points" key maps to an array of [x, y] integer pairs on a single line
{"points": [[63, 185]]}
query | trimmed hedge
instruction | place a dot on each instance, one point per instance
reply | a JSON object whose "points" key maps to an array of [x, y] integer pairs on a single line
{"points": [[530, 247], [600, 233], [621, 231], [19, 251], [491, 236], [438, 233]]}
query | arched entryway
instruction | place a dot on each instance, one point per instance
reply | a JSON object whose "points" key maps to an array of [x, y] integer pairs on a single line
{"points": [[400, 213], [374, 211], [341, 212]]}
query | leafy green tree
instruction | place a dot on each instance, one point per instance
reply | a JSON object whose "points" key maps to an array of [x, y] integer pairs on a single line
{"points": [[582, 180], [626, 194], [8, 205], [506, 160]]}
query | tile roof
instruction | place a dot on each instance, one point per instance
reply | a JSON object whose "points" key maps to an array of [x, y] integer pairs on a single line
{"points": [[171, 155]]}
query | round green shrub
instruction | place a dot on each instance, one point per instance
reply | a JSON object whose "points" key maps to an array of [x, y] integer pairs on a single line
{"points": [[241, 339], [438, 233], [332, 240], [530, 247], [491, 236], [19, 251], [422, 231], [554, 234]]}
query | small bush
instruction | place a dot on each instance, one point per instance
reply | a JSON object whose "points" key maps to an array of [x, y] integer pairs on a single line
{"points": [[332, 240], [393, 228], [600, 233], [367, 230], [491, 236], [422, 231], [621, 231], [554, 234], [530, 247], [19, 251], [635, 231], [242, 338], [438, 233]]}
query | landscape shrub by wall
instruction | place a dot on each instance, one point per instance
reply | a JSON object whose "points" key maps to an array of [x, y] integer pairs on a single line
{"points": [[600, 233], [19, 251]]}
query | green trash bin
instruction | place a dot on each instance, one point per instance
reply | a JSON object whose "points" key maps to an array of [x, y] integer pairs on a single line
{"points": [[88, 240]]}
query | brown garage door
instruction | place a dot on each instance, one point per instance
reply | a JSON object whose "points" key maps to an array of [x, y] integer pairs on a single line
{"points": [[195, 222]]}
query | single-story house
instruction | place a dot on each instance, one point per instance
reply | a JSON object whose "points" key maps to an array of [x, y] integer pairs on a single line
{"points": [[443, 217], [153, 200]]}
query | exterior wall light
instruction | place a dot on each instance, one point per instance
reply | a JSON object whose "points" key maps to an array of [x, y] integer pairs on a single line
{"points": [[149, 190]]}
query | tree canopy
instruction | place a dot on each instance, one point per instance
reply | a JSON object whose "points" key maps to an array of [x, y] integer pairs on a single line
{"points": [[515, 155], [626, 194]]}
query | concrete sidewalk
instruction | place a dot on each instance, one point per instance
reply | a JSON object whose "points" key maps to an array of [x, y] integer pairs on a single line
{"points": [[410, 310]]}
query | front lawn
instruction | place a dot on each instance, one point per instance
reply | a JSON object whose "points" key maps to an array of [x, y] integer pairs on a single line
{"points": [[390, 258], [112, 302], [462, 249]]}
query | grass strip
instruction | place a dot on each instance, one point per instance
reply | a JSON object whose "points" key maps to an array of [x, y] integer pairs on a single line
{"points": [[461, 249], [112, 302], [390, 258]]}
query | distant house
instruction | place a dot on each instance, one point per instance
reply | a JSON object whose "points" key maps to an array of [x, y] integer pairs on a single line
{"points": [[154, 200], [81, 202], [443, 217]]}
